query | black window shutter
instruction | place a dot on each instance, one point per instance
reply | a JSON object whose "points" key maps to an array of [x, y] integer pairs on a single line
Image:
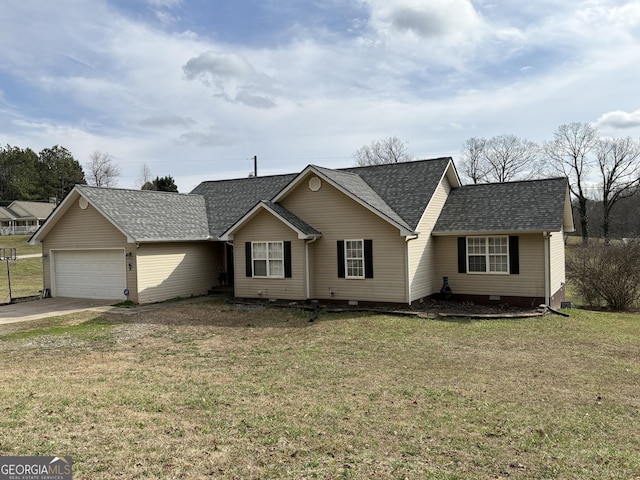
{"points": [[248, 259], [287, 259], [462, 254], [514, 256], [341, 259], [368, 259]]}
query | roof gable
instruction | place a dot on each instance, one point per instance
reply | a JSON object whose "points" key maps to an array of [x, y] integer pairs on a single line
{"points": [[528, 206], [304, 231], [398, 192], [408, 187], [26, 209], [141, 215]]}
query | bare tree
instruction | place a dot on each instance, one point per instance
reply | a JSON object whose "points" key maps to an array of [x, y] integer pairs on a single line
{"points": [[619, 164], [503, 158], [388, 150], [569, 154], [508, 158], [101, 170], [145, 176], [473, 165]]}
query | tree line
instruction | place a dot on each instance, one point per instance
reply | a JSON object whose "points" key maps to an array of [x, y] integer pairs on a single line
{"points": [[53, 172], [603, 172]]}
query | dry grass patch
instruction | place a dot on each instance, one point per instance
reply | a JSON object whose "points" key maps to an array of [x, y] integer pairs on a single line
{"points": [[192, 391]]}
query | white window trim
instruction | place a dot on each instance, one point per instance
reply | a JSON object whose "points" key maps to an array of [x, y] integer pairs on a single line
{"points": [[346, 261], [267, 260], [487, 256]]}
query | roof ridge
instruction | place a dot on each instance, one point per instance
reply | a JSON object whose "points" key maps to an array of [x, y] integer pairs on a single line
{"points": [[137, 190], [248, 178], [493, 184], [388, 165]]}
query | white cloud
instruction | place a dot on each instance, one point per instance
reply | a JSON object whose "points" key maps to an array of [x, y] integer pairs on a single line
{"points": [[231, 77], [165, 120], [619, 119], [443, 19], [432, 73]]}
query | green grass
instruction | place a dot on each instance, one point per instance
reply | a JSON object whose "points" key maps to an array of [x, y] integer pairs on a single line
{"points": [[214, 390], [19, 242], [26, 274], [26, 278]]}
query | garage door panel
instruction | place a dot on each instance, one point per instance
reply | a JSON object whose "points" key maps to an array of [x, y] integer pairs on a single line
{"points": [[89, 274]]}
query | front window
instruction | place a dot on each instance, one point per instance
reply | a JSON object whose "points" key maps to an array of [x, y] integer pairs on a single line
{"points": [[354, 258], [268, 259], [488, 254]]}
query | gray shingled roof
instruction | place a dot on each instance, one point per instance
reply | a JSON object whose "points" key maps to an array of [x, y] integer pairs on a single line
{"points": [[149, 215], [293, 219], [399, 191], [536, 205], [356, 185], [406, 188], [228, 200], [40, 210]]}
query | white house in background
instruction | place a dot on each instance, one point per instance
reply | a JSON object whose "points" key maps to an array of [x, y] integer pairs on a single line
{"points": [[23, 217]]}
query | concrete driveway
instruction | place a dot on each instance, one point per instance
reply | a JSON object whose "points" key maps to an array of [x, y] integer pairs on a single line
{"points": [[49, 307]]}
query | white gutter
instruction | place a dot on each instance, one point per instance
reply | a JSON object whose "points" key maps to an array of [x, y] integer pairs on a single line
{"points": [[547, 268], [407, 240], [306, 254]]}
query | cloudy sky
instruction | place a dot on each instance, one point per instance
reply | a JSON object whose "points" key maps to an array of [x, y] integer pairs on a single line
{"points": [[196, 88]]}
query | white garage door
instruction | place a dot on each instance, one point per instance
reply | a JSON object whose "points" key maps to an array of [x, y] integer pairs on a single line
{"points": [[89, 274]]}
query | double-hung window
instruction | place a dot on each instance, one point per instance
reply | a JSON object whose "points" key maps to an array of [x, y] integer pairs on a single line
{"points": [[488, 254], [268, 259], [355, 259], [354, 256]]}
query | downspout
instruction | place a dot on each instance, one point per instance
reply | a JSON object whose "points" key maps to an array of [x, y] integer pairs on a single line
{"points": [[547, 268], [408, 238], [306, 254]]}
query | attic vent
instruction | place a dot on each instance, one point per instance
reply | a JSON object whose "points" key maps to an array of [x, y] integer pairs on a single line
{"points": [[314, 184], [82, 203]]}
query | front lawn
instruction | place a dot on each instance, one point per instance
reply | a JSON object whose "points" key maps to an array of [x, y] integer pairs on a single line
{"points": [[25, 273], [213, 390]]}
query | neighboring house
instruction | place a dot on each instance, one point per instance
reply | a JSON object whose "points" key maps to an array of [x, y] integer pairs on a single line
{"points": [[384, 233], [23, 217]]}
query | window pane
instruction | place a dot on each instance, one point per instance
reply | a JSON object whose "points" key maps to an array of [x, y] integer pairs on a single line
{"points": [[275, 250], [497, 245], [354, 249], [476, 246], [498, 263], [276, 268], [259, 268], [260, 250], [355, 268], [477, 263]]}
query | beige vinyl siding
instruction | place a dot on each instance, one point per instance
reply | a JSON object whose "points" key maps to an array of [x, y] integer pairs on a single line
{"points": [[168, 270], [338, 217], [529, 283], [421, 250], [83, 229], [265, 227], [556, 254]]}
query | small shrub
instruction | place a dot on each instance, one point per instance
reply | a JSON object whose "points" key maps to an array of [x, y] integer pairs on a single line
{"points": [[607, 273]]}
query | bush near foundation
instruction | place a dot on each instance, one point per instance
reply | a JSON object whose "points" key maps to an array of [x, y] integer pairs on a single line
{"points": [[607, 274]]}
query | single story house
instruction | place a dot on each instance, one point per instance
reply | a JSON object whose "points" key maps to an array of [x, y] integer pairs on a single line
{"points": [[383, 233], [22, 217]]}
